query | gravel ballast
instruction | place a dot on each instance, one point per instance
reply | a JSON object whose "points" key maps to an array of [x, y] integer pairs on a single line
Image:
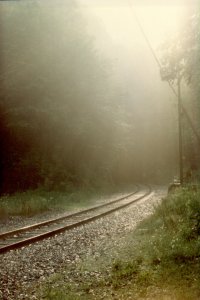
{"points": [[21, 270], [14, 222]]}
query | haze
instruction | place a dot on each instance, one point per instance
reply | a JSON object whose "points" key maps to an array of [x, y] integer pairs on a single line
{"points": [[82, 94]]}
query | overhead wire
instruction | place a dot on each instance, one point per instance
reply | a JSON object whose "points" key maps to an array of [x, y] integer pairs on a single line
{"points": [[160, 67]]}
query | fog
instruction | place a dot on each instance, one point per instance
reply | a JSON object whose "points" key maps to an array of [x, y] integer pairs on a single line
{"points": [[82, 100], [118, 36]]}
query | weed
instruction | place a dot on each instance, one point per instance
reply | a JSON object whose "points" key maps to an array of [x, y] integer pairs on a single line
{"points": [[30, 203], [170, 251]]}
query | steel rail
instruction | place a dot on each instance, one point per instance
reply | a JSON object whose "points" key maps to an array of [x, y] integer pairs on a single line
{"points": [[47, 234], [65, 217]]}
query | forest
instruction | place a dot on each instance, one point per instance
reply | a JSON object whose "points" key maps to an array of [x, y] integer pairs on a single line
{"points": [[99, 149], [64, 119]]}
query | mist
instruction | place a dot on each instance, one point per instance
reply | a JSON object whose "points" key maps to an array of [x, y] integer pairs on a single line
{"points": [[82, 102]]}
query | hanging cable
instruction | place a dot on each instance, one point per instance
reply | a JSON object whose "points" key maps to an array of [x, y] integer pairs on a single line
{"points": [[160, 67]]}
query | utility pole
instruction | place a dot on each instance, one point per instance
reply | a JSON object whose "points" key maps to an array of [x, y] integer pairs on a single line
{"points": [[180, 130], [184, 111]]}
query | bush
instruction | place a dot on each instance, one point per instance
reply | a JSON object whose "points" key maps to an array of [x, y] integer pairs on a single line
{"points": [[174, 229]]}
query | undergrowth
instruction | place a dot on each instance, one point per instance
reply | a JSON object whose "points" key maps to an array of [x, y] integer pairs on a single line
{"points": [[167, 250], [32, 202]]}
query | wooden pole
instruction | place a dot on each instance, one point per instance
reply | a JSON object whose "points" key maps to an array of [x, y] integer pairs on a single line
{"points": [[180, 131]]}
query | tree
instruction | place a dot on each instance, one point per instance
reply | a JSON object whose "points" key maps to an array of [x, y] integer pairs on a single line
{"points": [[54, 96], [181, 59]]}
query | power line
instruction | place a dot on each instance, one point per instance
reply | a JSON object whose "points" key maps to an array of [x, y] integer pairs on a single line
{"points": [[160, 67], [145, 37]]}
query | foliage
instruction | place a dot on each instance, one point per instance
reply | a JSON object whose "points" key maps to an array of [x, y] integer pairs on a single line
{"points": [[63, 117], [180, 222], [180, 58], [54, 101], [169, 242], [180, 54], [166, 248]]}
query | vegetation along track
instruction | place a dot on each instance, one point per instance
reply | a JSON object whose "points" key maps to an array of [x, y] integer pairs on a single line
{"points": [[33, 233]]}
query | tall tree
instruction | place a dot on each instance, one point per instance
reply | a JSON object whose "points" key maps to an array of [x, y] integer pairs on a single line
{"points": [[53, 95], [181, 58]]}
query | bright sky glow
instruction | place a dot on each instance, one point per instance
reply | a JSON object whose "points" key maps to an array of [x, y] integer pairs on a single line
{"points": [[132, 61], [158, 20]]}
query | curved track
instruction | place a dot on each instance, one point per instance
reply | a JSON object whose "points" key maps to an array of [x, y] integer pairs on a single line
{"points": [[33, 233]]}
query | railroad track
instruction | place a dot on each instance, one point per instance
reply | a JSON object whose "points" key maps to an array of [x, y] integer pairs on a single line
{"points": [[30, 234]]}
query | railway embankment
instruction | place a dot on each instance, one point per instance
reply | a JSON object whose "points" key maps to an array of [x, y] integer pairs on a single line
{"points": [[26, 273], [160, 259], [150, 250], [30, 207]]}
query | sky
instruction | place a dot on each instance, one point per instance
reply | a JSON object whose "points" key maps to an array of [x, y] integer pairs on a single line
{"points": [[116, 32], [133, 64], [159, 18], [114, 27]]}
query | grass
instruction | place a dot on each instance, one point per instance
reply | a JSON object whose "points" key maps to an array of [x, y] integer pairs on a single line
{"points": [[167, 249], [33, 202], [160, 260]]}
